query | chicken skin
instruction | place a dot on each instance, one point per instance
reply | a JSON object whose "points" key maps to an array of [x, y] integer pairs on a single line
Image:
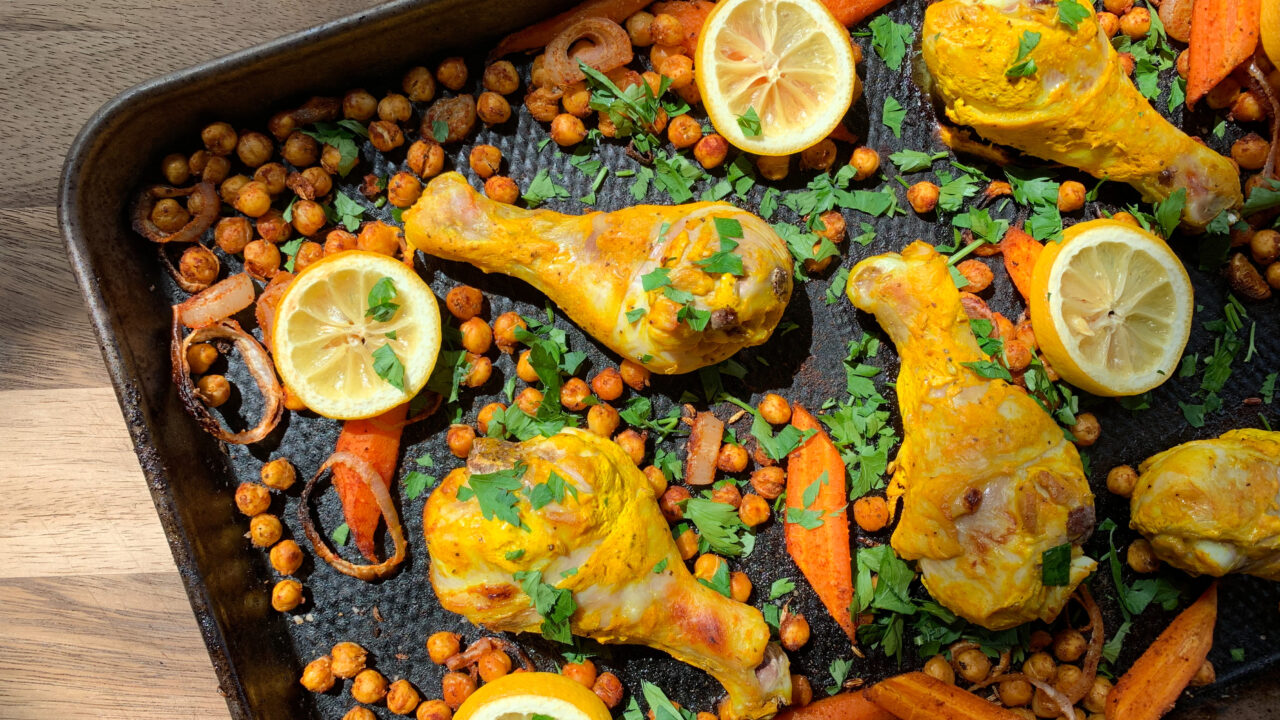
{"points": [[987, 480], [1212, 507], [604, 539], [1072, 104], [675, 288]]}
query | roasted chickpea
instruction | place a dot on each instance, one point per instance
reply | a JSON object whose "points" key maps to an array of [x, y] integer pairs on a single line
{"points": [[359, 713], [1067, 677], [1042, 706], [348, 659], [583, 673], [633, 443], [1205, 675], [524, 368], [300, 150], [308, 217], [1109, 23], [254, 149], [866, 161], [1265, 246], [687, 543], [359, 105], [198, 265], [1086, 430], [976, 274], [217, 170], [1136, 23], [711, 150], [492, 108], [265, 530], [1040, 666], [1095, 700], [369, 686], [775, 409], [456, 688], [286, 595], [739, 586], [1273, 275], [684, 131], [443, 645], [273, 176], [574, 394], [707, 565], [477, 338], [493, 665], [1117, 7], [543, 103], [753, 510], [608, 688], [317, 676], [419, 84], [385, 135], [219, 138], [727, 493], [923, 197], [657, 479], [831, 226], [972, 665], [175, 169], [403, 189], [425, 158], [607, 384], [820, 156], [938, 668], [1015, 692], [339, 240], [794, 631], [479, 370], [1070, 196], [198, 162], [679, 68], [1141, 557], [773, 168], [434, 710], [732, 458], [460, 438], [485, 160], [602, 418], [452, 73], [504, 330], [801, 691], [308, 253], [486, 414], [402, 697], [871, 513], [1017, 355], [253, 199], [503, 189], [769, 482], [200, 357], [286, 557], [640, 29], [232, 234], [635, 375], [1248, 108], [1250, 152], [1223, 94], [1069, 645], [567, 130], [465, 303], [230, 188], [379, 237], [395, 108], [213, 390], [666, 29], [528, 400], [577, 100], [671, 503]]}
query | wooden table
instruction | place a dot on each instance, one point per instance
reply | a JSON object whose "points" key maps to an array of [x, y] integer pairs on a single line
{"points": [[94, 622]]}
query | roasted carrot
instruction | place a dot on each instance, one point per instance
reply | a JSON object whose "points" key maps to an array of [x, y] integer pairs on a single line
{"points": [[916, 696], [691, 14], [1155, 681], [849, 12], [821, 551], [377, 441], [1224, 34], [537, 36], [845, 706], [1020, 251]]}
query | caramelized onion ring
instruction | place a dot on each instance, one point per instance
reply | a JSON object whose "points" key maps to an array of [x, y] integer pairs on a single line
{"points": [[218, 302], [195, 227], [255, 358], [374, 481], [268, 303], [610, 48], [1093, 655]]}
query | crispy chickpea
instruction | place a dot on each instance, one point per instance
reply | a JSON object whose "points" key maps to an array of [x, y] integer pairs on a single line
{"points": [[1126, 218], [501, 77], [820, 156], [339, 240], [972, 665], [794, 631], [753, 510], [493, 665], [684, 131], [308, 253], [567, 130], [379, 237], [403, 189], [923, 197], [866, 161], [1067, 677], [1117, 7], [801, 691], [727, 494], [1070, 196], [871, 513], [265, 530], [1069, 645], [574, 394], [577, 100], [830, 226], [739, 586], [711, 151], [456, 688], [773, 168], [254, 149], [671, 503], [976, 273], [1042, 706], [1040, 666], [216, 170], [359, 713], [1273, 275], [198, 265], [1183, 64], [543, 103], [308, 217], [219, 138], [1141, 557], [1086, 430], [443, 645], [1095, 700], [528, 400], [504, 330], [640, 29], [395, 108], [707, 565], [635, 375], [1040, 639], [348, 659], [200, 357], [213, 390], [938, 668], [230, 188], [503, 189], [769, 481], [583, 673], [657, 479], [485, 160], [732, 458], [418, 84], [286, 595], [607, 384], [434, 710], [1265, 246], [1109, 23], [385, 135], [300, 150], [175, 169], [479, 370], [492, 108], [524, 368], [775, 409], [319, 179], [1136, 23], [460, 438], [286, 557], [359, 105], [1205, 675], [602, 418], [452, 73], [402, 697], [425, 158], [1247, 108], [232, 234], [253, 199], [317, 676], [1250, 152], [477, 337], [486, 415], [1015, 692], [666, 29], [273, 176], [464, 303], [197, 163], [1017, 355], [608, 688], [369, 686], [687, 543], [1223, 94], [633, 443]]}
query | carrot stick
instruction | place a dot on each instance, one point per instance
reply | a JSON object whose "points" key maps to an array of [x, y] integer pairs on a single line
{"points": [[1224, 34], [821, 553], [537, 36], [1155, 681], [845, 706], [691, 14], [849, 12], [377, 441], [1020, 252], [916, 696]]}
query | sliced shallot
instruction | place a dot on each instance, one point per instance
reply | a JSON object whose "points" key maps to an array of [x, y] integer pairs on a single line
{"points": [[609, 48], [209, 206], [268, 303], [371, 478], [704, 445], [219, 302], [255, 359]]}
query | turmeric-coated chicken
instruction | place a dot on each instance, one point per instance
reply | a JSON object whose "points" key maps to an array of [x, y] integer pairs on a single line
{"points": [[596, 532], [675, 288], [1068, 99], [988, 482], [1212, 507]]}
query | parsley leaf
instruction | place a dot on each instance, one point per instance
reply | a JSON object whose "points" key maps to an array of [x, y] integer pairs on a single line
{"points": [[290, 250], [388, 366], [416, 482], [380, 296], [1263, 197], [839, 670], [891, 40], [1024, 66], [1169, 212], [661, 565], [989, 370], [1071, 13], [342, 137], [340, 534], [661, 706], [514, 555], [555, 605], [553, 490], [720, 580], [914, 161], [781, 587], [496, 494], [346, 211], [719, 525], [892, 115], [1055, 565], [542, 188], [749, 123]]}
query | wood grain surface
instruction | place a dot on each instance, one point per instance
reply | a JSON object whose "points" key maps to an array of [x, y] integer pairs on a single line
{"points": [[94, 622]]}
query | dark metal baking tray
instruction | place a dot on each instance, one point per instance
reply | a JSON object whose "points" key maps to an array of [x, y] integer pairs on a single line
{"points": [[257, 652]]}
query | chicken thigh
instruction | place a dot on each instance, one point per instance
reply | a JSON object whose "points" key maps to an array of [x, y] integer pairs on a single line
{"points": [[675, 288], [597, 532], [988, 481], [1212, 507]]}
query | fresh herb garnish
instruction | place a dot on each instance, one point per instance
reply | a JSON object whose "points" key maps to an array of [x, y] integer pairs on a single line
{"points": [[340, 534], [909, 161], [892, 115], [781, 587], [839, 670], [1055, 565], [542, 188], [415, 483], [1071, 13], [496, 494], [749, 123], [381, 308], [555, 605], [720, 580], [719, 527], [342, 136], [891, 40], [1024, 66], [387, 365], [345, 211]]}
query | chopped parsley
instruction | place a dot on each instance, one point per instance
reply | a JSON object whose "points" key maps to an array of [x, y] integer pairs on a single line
{"points": [[781, 587], [1071, 13], [725, 261], [909, 161], [342, 136], [514, 555], [839, 670], [891, 40], [1024, 66], [1055, 565], [439, 130], [290, 249], [1168, 212], [340, 534], [416, 482], [720, 580], [381, 308], [660, 566], [387, 365], [892, 115], [719, 527], [346, 211], [555, 605], [749, 123], [496, 494], [542, 188], [553, 490]]}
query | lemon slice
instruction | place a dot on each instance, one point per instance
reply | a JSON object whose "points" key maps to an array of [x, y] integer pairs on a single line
{"points": [[787, 61], [331, 349], [1111, 306], [521, 696]]}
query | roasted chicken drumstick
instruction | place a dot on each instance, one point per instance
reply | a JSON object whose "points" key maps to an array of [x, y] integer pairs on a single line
{"points": [[598, 533]]}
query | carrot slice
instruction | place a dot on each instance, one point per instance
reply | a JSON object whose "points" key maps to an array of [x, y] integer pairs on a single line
{"points": [[821, 552], [916, 696], [849, 12], [845, 706], [691, 14], [376, 440], [1155, 681], [1020, 252], [537, 36], [1224, 34]]}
